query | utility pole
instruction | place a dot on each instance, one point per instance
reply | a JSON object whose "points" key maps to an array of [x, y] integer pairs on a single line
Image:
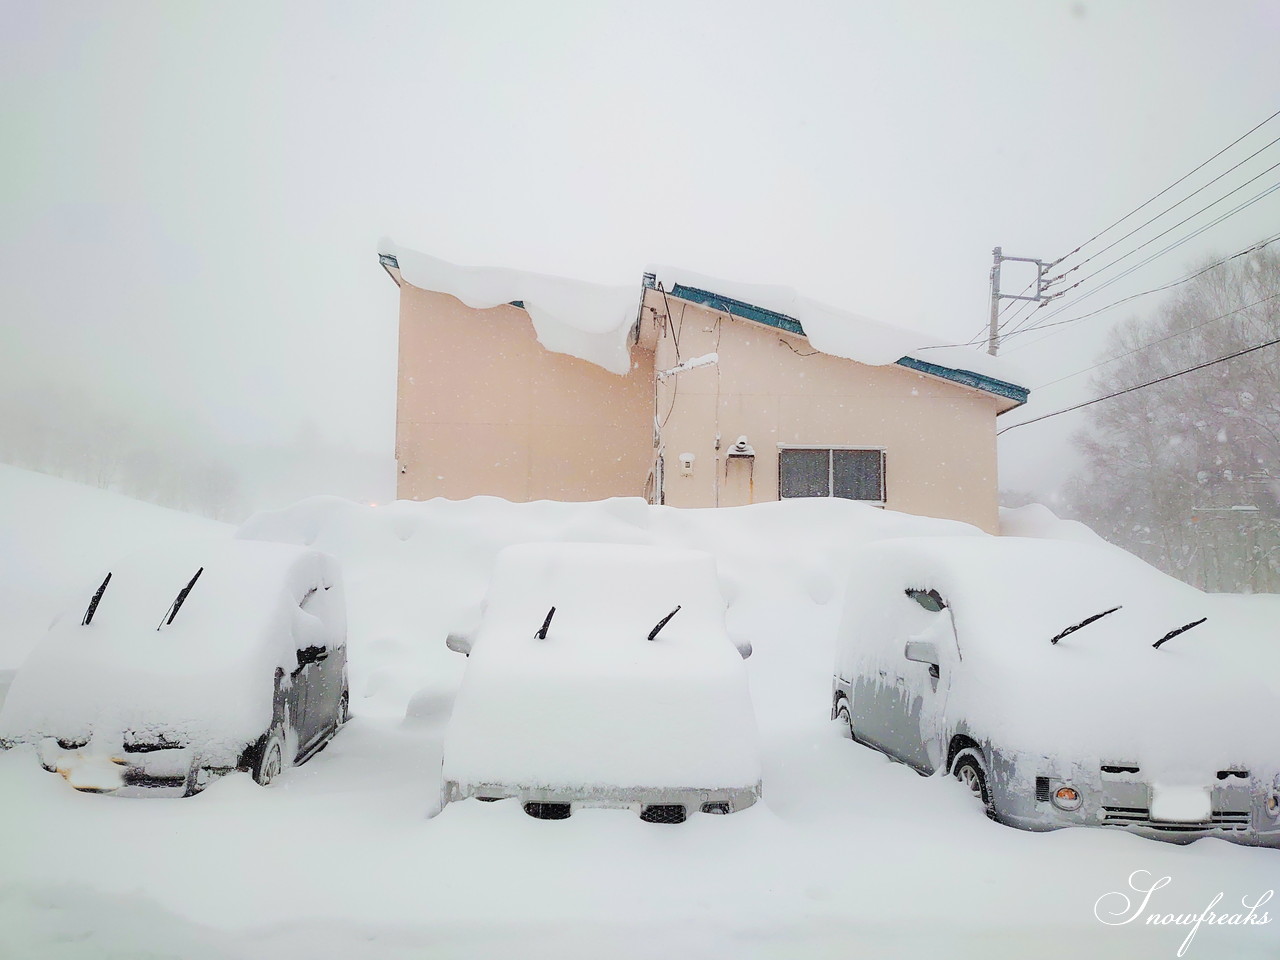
{"points": [[993, 330]]}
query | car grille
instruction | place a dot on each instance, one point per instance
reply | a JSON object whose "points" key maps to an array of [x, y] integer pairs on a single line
{"points": [[136, 746], [1140, 816], [137, 778], [663, 813]]}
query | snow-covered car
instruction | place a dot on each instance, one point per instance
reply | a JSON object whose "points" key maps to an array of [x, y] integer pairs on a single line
{"points": [[602, 675], [189, 661], [1064, 684]]}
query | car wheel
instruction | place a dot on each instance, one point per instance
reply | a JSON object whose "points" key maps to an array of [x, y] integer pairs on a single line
{"points": [[191, 787], [971, 771], [344, 710], [270, 762], [845, 718]]}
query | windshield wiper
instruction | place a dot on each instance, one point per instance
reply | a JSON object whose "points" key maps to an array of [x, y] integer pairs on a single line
{"points": [[1173, 633], [1084, 623], [93, 604], [542, 631], [179, 600], [663, 622]]}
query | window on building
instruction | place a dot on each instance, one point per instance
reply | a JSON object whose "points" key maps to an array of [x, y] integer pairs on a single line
{"points": [[854, 474]]}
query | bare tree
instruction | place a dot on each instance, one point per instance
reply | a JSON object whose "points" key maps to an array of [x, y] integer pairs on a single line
{"points": [[1187, 473]]}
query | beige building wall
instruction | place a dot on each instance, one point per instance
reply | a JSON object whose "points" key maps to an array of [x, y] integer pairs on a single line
{"points": [[772, 387], [483, 408]]}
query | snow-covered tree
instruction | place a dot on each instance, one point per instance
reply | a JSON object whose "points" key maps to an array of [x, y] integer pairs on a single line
{"points": [[1186, 473]]}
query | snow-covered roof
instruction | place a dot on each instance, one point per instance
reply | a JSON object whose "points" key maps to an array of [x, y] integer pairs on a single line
{"points": [[585, 320], [842, 333], [592, 322]]}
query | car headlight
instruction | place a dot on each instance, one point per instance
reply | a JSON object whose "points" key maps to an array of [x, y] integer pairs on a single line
{"points": [[1272, 803], [1067, 798]]}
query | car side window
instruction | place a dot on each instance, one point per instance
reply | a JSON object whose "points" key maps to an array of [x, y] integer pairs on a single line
{"points": [[312, 654], [312, 632]]}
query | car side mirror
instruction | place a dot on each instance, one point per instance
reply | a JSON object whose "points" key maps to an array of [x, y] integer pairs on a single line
{"points": [[312, 655], [922, 651], [459, 643]]}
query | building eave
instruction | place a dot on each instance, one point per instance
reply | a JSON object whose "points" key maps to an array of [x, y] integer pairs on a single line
{"points": [[967, 378]]}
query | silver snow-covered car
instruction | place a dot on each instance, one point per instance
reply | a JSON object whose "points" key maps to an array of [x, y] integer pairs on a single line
{"points": [[601, 675], [1064, 684]]}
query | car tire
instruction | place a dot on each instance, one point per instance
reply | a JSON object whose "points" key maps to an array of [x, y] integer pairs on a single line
{"points": [[270, 762], [971, 770], [344, 710], [845, 716], [189, 788]]}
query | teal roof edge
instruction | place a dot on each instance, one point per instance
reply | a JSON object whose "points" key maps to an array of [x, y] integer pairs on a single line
{"points": [[738, 308], [1001, 388], [749, 311]]}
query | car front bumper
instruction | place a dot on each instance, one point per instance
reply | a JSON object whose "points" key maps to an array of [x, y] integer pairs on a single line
{"points": [[693, 799], [1237, 810]]}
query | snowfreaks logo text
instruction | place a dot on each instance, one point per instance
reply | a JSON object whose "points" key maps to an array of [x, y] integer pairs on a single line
{"points": [[1118, 908]]}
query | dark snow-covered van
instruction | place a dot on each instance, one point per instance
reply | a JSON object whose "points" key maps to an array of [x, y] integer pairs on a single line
{"points": [[188, 661]]}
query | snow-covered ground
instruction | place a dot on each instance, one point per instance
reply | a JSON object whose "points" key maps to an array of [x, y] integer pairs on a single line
{"points": [[848, 854]]}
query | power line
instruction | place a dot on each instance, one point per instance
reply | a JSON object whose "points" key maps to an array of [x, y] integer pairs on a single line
{"points": [[1201, 189], [1141, 386], [1115, 303], [1172, 336], [1134, 296], [1146, 203], [1191, 236], [1169, 230], [1159, 253]]}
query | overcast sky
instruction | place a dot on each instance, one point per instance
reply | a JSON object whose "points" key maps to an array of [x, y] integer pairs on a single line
{"points": [[191, 194]]}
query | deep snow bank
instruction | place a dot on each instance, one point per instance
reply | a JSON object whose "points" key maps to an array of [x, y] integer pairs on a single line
{"points": [[417, 571]]}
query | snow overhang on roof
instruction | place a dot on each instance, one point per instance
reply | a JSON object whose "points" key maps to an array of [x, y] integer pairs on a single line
{"points": [[593, 322], [957, 371]]}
